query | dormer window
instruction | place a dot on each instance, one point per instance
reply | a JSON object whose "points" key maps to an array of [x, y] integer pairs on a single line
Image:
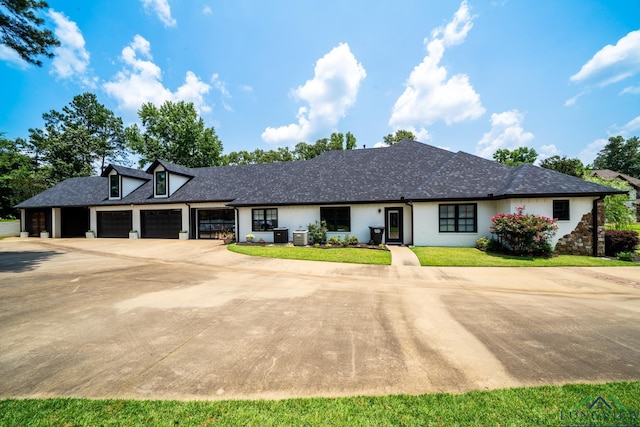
{"points": [[161, 183], [114, 186]]}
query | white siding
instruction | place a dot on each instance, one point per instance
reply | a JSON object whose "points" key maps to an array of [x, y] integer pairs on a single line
{"points": [[299, 217], [426, 219], [578, 206], [427, 229], [129, 185], [175, 182]]}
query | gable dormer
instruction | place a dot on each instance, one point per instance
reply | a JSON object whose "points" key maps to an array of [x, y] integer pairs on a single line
{"points": [[123, 181], [168, 178]]}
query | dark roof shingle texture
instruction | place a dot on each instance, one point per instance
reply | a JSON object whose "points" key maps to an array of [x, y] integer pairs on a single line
{"points": [[408, 170]]}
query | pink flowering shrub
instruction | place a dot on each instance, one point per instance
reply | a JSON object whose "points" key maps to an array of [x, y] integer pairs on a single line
{"points": [[524, 234]]}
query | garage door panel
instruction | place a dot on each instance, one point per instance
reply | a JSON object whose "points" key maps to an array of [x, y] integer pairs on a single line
{"points": [[161, 224], [114, 223]]}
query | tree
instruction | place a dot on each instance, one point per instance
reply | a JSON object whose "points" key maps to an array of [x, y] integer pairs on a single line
{"points": [[18, 178], [620, 156], [573, 167], [398, 136], [20, 30], [618, 208], [517, 157], [85, 133], [174, 133]]}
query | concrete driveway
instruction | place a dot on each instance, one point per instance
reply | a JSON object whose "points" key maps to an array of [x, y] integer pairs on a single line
{"points": [[107, 318]]}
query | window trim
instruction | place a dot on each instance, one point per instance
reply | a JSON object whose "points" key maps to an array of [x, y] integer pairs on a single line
{"points": [[119, 187], [166, 183], [566, 207], [264, 220], [332, 221], [457, 218]]}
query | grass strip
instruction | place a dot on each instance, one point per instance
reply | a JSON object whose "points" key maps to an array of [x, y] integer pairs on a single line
{"points": [[531, 406], [348, 255], [471, 257]]}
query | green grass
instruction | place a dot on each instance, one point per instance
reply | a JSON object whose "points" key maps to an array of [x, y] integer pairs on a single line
{"points": [[348, 255], [532, 406], [471, 257]]}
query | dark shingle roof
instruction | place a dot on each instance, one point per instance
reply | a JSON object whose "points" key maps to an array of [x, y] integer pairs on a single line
{"points": [[125, 171], [408, 170], [530, 180], [84, 191], [609, 174]]}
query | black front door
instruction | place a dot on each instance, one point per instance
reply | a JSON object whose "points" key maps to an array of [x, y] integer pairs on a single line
{"points": [[393, 225]]}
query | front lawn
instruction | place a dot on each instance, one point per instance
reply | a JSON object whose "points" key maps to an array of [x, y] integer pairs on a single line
{"points": [[348, 255], [471, 257], [528, 406]]}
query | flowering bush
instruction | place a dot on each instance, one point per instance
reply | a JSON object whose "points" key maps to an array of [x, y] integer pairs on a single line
{"points": [[524, 234]]}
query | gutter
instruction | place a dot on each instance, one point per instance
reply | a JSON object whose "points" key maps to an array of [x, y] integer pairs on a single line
{"points": [[410, 204]]}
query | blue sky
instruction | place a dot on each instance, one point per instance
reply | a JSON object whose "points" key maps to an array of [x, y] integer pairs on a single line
{"points": [[560, 76]]}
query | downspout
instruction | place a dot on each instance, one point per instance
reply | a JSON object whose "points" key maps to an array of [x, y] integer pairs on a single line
{"points": [[410, 204], [594, 227], [237, 215], [189, 219]]}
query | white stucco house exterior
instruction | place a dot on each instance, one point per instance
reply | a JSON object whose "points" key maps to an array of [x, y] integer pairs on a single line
{"points": [[418, 194]]}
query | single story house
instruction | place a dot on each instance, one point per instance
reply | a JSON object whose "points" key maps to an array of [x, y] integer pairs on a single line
{"points": [[609, 175], [421, 195]]}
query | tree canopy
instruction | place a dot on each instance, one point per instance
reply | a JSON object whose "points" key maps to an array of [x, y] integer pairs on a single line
{"points": [[302, 151], [564, 165], [17, 179], [174, 133], [20, 30], [516, 157], [84, 134], [620, 156], [398, 136], [618, 209]]}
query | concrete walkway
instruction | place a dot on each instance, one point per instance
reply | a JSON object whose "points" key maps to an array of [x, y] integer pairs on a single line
{"points": [[403, 256]]}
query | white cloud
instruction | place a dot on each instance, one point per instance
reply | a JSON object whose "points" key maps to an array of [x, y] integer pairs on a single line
{"points": [[331, 92], [140, 81], [246, 88], [11, 56], [506, 132], [632, 90], [71, 58], [206, 10], [613, 63], [588, 155], [547, 151], [431, 95], [632, 126], [162, 9], [222, 88]]}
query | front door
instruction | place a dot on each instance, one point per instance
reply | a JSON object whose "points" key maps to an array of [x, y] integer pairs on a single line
{"points": [[38, 223], [393, 225]]}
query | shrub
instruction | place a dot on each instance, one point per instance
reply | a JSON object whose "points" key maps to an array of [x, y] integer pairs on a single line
{"points": [[318, 232], [494, 245], [482, 243], [626, 256], [350, 240], [616, 241], [524, 234], [334, 240]]}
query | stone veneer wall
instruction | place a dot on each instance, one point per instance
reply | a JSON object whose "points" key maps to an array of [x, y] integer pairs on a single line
{"points": [[580, 240]]}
